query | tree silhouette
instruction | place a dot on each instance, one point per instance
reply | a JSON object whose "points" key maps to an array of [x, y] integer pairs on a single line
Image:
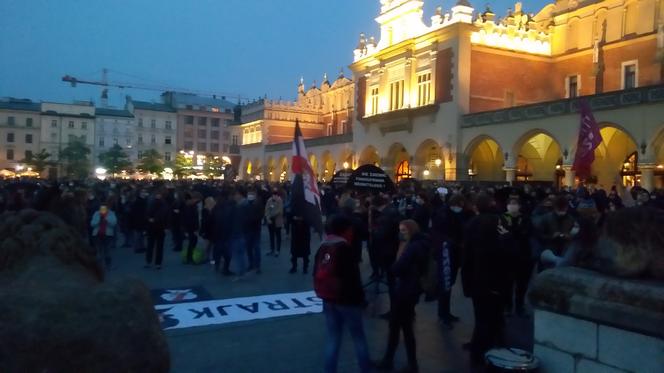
{"points": [[183, 165], [151, 162], [75, 159], [115, 160], [38, 162]]}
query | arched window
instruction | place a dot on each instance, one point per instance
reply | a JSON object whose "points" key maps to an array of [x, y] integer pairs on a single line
{"points": [[403, 171]]}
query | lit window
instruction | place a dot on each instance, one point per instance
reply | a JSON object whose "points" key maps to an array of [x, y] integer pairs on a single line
{"points": [[374, 101], [396, 95], [423, 89]]}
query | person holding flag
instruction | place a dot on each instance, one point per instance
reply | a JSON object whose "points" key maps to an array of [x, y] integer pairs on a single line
{"points": [[305, 199]]}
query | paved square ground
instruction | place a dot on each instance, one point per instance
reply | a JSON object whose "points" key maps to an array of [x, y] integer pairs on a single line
{"points": [[296, 343]]}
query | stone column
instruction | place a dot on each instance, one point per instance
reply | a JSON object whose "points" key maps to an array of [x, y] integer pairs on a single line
{"points": [[647, 176], [570, 176], [510, 174]]}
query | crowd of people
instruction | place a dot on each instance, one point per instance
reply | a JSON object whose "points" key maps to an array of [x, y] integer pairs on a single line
{"points": [[419, 240]]}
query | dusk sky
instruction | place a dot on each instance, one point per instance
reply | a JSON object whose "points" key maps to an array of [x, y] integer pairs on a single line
{"points": [[250, 48]]}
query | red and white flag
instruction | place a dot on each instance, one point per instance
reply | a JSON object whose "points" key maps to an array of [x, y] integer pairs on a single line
{"points": [[589, 139], [305, 197]]}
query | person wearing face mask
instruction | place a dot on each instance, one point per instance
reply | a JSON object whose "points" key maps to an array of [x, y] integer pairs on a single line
{"points": [[557, 230], [519, 261], [274, 214], [408, 269], [103, 225]]}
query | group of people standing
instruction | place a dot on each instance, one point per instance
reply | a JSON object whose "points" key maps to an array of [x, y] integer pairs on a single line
{"points": [[496, 239]]}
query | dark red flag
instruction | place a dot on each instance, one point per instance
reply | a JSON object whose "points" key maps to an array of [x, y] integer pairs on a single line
{"points": [[589, 139]]}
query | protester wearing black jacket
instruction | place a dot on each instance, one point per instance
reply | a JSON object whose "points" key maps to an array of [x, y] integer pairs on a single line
{"points": [[191, 222], [157, 216], [448, 224], [484, 276], [410, 266]]}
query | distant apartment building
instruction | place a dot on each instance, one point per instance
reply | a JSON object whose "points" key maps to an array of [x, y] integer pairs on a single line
{"points": [[62, 124], [19, 131], [114, 127], [155, 127], [202, 123]]}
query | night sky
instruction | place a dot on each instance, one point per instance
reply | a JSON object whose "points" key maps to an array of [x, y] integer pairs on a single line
{"points": [[249, 48]]}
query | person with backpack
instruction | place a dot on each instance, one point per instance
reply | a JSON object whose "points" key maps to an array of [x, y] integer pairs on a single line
{"points": [[408, 270], [337, 281]]}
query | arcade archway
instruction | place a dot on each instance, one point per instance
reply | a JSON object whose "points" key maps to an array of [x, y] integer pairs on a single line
{"points": [[369, 156], [313, 161], [612, 157], [429, 160], [327, 165], [398, 162], [485, 160], [283, 169], [538, 158], [271, 168]]}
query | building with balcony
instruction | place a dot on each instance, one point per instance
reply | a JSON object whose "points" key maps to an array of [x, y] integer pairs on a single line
{"points": [[471, 95], [20, 134]]}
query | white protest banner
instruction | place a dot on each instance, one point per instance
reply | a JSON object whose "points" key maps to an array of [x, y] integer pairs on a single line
{"points": [[224, 311]]}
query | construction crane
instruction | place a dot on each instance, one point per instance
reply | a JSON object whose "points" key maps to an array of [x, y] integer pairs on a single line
{"points": [[105, 83]]}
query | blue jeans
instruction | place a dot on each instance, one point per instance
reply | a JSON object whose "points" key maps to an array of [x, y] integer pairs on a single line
{"points": [[336, 316], [238, 249]]}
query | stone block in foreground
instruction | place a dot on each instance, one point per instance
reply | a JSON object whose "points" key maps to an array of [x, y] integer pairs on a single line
{"points": [[590, 322]]}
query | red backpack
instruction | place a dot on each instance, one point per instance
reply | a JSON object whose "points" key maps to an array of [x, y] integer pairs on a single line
{"points": [[327, 281]]}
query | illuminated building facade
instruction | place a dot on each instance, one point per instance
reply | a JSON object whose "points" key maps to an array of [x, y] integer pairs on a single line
{"points": [[470, 95], [325, 115]]}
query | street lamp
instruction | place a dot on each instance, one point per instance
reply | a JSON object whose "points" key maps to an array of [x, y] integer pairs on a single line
{"points": [[438, 162], [426, 173], [346, 165]]}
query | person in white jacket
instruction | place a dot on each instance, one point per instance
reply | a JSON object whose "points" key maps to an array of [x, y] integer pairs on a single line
{"points": [[103, 225]]}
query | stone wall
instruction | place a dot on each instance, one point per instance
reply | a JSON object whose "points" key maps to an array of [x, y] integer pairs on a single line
{"points": [[586, 322]]}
